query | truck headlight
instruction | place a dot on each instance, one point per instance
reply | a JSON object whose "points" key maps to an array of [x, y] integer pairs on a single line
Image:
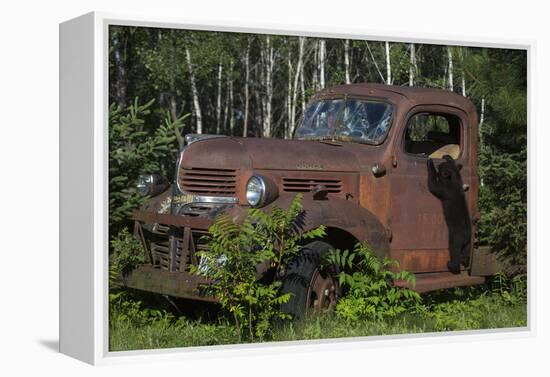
{"points": [[151, 184], [260, 191], [255, 191]]}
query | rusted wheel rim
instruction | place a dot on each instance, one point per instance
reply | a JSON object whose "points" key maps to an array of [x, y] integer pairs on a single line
{"points": [[322, 293]]}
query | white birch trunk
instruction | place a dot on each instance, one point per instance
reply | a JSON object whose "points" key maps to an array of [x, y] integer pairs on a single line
{"points": [[389, 79], [450, 70], [412, 65], [268, 66], [288, 101], [346, 60], [194, 92], [322, 46], [246, 92], [481, 119], [302, 89], [231, 102], [315, 78], [463, 71], [479, 130], [302, 81], [225, 109], [262, 97], [219, 98], [269, 82]]}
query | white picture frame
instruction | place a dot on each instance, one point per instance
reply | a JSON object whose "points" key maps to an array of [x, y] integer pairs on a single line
{"points": [[83, 180]]}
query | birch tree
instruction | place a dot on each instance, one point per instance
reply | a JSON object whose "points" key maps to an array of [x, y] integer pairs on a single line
{"points": [[219, 97], [481, 120], [322, 55], [450, 68], [246, 87], [412, 64], [346, 61], [302, 80], [389, 79], [268, 63], [288, 99], [462, 52], [315, 78], [231, 99], [194, 92]]}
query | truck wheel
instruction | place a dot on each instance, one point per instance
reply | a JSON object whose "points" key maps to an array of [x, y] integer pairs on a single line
{"points": [[312, 288]]}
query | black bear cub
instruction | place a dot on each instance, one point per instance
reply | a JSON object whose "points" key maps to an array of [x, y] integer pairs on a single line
{"points": [[446, 184]]}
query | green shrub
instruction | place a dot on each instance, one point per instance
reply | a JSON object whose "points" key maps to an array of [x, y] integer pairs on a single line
{"points": [[368, 281], [512, 289], [236, 250], [127, 254], [134, 149]]}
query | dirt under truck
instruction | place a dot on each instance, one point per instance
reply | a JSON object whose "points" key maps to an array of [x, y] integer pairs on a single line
{"points": [[358, 157]]}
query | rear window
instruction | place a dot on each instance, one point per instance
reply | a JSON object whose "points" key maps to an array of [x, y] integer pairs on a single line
{"points": [[433, 135]]}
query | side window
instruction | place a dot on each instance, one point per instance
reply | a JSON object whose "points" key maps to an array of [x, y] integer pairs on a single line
{"points": [[433, 135]]}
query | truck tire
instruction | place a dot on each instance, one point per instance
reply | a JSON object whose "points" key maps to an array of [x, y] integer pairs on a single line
{"points": [[312, 288]]}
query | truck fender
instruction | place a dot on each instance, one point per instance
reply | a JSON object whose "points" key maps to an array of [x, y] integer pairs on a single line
{"points": [[342, 217]]}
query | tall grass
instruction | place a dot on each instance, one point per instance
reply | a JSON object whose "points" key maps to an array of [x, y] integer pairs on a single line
{"points": [[136, 324]]}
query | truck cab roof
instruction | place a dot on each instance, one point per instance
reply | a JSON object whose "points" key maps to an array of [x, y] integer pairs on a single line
{"points": [[399, 95]]}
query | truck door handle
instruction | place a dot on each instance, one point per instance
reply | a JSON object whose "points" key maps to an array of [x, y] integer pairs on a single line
{"points": [[394, 161]]}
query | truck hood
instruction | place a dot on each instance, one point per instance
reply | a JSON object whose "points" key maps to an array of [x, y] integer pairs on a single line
{"points": [[270, 154]]}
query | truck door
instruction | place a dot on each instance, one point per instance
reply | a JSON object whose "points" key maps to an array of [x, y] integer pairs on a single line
{"points": [[419, 232]]}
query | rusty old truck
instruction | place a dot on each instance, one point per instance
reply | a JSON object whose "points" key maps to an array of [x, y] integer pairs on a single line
{"points": [[359, 158]]}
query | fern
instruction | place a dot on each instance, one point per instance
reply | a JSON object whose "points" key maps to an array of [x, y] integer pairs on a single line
{"points": [[237, 249], [371, 294]]}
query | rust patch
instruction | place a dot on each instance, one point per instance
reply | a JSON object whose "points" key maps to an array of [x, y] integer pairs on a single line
{"points": [[418, 261]]}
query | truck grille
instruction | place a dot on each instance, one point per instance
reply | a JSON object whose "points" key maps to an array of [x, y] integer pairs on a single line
{"points": [[200, 181], [168, 250], [307, 184], [198, 209]]}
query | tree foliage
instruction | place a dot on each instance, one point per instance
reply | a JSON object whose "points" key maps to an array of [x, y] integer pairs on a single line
{"points": [[500, 79], [136, 149]]}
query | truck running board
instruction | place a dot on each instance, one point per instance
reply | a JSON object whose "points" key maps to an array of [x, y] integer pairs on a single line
{"points": [[441, 280]]}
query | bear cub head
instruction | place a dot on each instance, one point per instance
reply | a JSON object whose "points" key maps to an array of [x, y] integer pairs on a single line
{"points": [[449, 173]]}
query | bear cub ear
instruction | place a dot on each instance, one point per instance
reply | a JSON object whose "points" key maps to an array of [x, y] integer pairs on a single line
{"points": [[459, 167]]}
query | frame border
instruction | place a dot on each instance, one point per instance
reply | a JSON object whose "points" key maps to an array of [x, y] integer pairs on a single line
{"points": [[92, 346]]}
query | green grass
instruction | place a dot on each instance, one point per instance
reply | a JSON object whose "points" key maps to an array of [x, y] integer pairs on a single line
{"points": [[137, 324]]}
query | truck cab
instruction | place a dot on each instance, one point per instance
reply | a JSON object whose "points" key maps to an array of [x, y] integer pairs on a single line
{"points": [[359, 158]]}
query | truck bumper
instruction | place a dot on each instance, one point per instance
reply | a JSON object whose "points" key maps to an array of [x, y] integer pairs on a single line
{"points": [[178, 284], [197, 222], [171, 244]]}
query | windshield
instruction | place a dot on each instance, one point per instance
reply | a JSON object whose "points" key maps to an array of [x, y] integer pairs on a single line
{"points": [[350, 120]]}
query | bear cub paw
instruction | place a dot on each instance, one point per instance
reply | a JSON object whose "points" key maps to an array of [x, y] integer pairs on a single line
{"points": [[453, 267]]}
